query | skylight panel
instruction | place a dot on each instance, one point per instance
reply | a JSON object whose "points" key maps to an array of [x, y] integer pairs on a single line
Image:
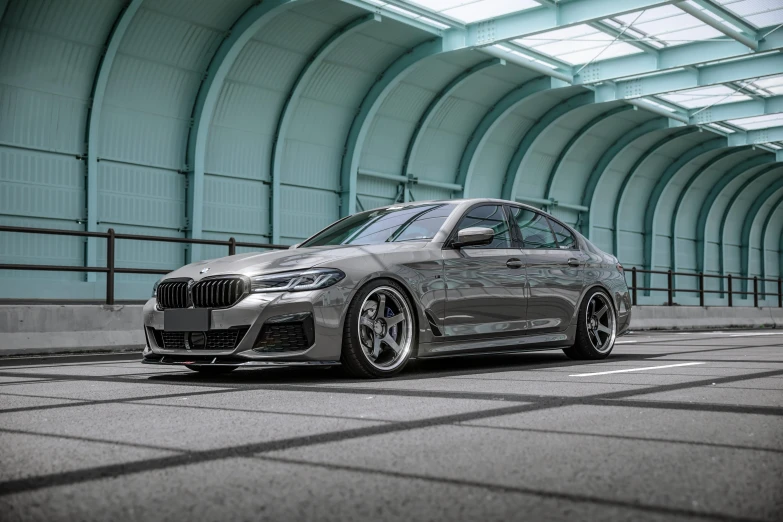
{"points": [[775, 146], [761, 13], [773, 84], [578, 44], [759, 122], [469, 11], [669, 24], [598, 54], [705, 96]]}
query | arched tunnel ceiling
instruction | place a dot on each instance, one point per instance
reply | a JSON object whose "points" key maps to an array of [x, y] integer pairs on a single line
{"points": [[279, 139]]}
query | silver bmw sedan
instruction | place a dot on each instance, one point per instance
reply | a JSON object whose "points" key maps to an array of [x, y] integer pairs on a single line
{"points": [[379, 288]]}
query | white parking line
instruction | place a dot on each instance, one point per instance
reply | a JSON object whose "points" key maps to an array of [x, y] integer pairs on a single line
{"points": [[755, 334], [635, 369], [624, 342]]}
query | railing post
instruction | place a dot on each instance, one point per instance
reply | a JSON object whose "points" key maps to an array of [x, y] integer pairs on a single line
{"points": [[780, 292], [731, 295], [110, 266], [232, 246], [701, 288], [755, 291], [633, 282], [670, 287]]}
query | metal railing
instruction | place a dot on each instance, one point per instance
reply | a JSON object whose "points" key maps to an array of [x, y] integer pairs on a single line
{"points": [[701, 290], [111, 237]]}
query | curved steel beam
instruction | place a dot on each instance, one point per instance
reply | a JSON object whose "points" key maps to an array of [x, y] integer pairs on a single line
{"points": [[606, 158], [632, 171], [747, 227], [577, 135], [372, 101], [660, 187], [681, 197], [709, 201], [94, 114], [432, 109], [764, 230], [492, 118], [290, 104], [548, 118], [246, 26]]}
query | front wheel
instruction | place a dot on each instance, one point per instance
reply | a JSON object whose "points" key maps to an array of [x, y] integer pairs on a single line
{"points": [[379, 332], [596, 328]]}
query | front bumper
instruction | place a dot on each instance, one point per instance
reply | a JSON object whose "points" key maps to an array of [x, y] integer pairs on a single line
{"points": [[249, 317]]}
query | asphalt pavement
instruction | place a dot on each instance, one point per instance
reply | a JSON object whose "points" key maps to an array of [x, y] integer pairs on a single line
{"points": [[673, 426]]}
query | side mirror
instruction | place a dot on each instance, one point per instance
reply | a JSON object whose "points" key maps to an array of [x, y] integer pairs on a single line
{"points": [[294, 247], [474, 236]]}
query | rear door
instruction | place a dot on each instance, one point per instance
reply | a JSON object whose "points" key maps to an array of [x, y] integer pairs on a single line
{"points": [[485, 285], [554, 267]]}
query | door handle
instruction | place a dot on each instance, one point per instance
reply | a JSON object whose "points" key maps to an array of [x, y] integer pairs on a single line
{"points": [[514, 263], [573, 262]]}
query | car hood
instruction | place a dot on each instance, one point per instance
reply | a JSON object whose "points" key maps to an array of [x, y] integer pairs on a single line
{"points": [[284, 260]]}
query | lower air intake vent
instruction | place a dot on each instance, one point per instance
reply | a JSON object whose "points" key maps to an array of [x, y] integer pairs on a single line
{"points": [[286, 333], [218, 340]]}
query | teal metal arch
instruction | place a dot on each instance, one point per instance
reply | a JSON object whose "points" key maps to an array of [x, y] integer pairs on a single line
{"points": [[548, 118], [627, 179], [247, 25], [764, 229], [606, 158], [709, 201], [436, 103], [684, 192], [577, 135], [747, 227], [492, 118], [372, 101], [660, 187], [291, 102], [95, 112]]}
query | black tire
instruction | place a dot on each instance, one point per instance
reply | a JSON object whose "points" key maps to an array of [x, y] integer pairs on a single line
{"points": [[587, 345], [210, 370], [355, 361]]}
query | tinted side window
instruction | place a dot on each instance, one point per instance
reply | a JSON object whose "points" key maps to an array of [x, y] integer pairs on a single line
{"points": [[564, 238], [534, 229], [489, 216]]}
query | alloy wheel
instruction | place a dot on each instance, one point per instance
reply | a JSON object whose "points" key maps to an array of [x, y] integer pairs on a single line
{"points": [[385, 328], [600, 321]]}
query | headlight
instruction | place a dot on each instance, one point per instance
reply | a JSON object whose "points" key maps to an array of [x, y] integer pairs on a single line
{"points": [[296, 281], [155, 288]]}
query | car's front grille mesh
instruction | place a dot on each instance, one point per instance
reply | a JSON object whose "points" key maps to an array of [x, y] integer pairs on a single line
{"points": [[218, 293], [219, 340], [282, 337], [173, 294]]}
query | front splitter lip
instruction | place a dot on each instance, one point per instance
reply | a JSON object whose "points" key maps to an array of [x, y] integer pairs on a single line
{"points": [[181, 361]]}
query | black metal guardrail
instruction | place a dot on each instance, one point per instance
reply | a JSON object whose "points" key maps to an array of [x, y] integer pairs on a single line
{"points": [[110, 269], [729, 291], [111, 237]]}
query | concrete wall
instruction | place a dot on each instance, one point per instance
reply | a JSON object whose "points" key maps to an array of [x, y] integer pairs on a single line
{"points": [[39, 329]]}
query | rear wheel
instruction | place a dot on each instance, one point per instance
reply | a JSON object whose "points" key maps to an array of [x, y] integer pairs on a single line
{"points": [[210, 370], [379, 332], [596, 328]]}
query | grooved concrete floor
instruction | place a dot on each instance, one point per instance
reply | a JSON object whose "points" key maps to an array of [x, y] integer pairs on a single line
{"points": [[508, 437]]}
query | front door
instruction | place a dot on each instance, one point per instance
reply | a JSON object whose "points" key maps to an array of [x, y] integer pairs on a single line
{"points": [[555, 270], [485, 285]]}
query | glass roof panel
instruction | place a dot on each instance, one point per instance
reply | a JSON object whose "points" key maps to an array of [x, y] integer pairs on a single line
{"points": [[578, 44], [772, 84], [704, 96], [759, 122], [669, 24], [749, 8], [469, 11]]}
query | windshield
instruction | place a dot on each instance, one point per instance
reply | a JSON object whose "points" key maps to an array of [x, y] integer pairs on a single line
{"points": [[386, 225]]}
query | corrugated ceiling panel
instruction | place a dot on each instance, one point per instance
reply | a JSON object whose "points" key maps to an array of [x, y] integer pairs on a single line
{"points": [[739, 210], [218, 15], [305, 211], [691, 204], [569, 182], [376, 188], [236, 206]]}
